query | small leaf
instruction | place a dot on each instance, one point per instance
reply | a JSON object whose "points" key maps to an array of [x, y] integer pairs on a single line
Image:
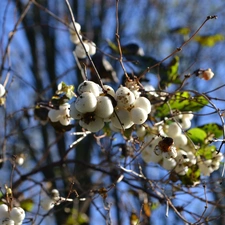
{"points": [[192, 177], [147, 209], [182, 101], [27, 204], [206, 152], [181, 30], [209, 40], [197, 135], [212, 129]]}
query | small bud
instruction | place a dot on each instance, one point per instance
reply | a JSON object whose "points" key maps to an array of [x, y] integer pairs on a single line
{"points": [[205, 74]]}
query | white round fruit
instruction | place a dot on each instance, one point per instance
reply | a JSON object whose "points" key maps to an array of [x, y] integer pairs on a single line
{"points": [[143, 103], [74, 113], [86, 102], [180, 140], [186, 123], [89, 86], [174, 130], [109, 90], [92, 48], [124, 97], [188, 115], [75, 38], [121, 119], [77, 26], [104, 107], [17, 214], [141, 131], [7, 221], [96, 125], [54, 115], [79, 50], [4, 211], [138, 115], [168, 164]]}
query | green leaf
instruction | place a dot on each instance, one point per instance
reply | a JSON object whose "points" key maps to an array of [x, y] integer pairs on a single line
{"points": [[77, 218], [213, 130], [206, 151], [170, 75], [27, 204], [182, 101], [181, 30], [197, 135], [209, 40], [192, 177]]}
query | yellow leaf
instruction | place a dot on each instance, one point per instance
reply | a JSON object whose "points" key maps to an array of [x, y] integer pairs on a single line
{"points": [[209, 40]]}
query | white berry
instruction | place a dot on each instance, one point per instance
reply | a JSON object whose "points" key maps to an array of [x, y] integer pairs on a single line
{"points": [[138, 115], [7, 221], [86, 102], [124, 97], [79, 50], [143, 103], [17, 214], [104, 107], [89, 86], [4, 211]]}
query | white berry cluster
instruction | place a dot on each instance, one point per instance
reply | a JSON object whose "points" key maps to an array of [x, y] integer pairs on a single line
{"points": [[173, 151], [15, 216], [61, 115], [89, 46], [48, 202], [95, 106], [208, 166]]}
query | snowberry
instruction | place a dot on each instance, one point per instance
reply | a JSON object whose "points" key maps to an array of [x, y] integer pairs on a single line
{"points": [[180, 140], [75, 39], [171, 153], [157, 150], [174, 130], [109, 90], [17, 214], [74, 113], [181, 169], [143, 103], [89, 86], [124, 121], [4, 211], [54, 115], [124, 97], [7, 221], [2, 90], [168, 164], [104, 107], [141, 131], [188, 115], [186, 123], [92, 48], [77, 26], [96, 125], [138, 115], [86, 102], [79, 50], [47, 203]]}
